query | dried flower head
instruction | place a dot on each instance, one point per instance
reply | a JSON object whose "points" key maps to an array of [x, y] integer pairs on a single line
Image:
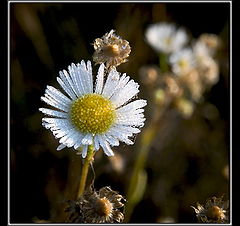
{"points": [[103, 206], [212, 41], [209, 71], [172, 85], [214, 211], [149, 74], [111, 49], [192, 82]]}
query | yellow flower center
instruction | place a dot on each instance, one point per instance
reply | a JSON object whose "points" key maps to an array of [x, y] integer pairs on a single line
{"points": [[92, 113], [183, 63], [168, 41]]}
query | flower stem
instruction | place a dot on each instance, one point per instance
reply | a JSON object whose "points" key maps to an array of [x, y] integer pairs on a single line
{"points": [[163, 63], [88, 160], [137, 183]]}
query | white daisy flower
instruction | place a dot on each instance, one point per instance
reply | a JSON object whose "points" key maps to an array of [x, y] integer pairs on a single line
{"points": [[182, 61], [166, 38], [100, 116]]}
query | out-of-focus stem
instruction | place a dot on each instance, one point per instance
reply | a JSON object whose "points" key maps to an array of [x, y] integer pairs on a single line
{"points": [[147, 137], [145, 144], [89, 158], [163, 62]]}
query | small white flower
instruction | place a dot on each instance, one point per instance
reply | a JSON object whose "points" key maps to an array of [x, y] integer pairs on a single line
{"points": [[182, 61], [100, 116], [200, 51], [166, 38]]}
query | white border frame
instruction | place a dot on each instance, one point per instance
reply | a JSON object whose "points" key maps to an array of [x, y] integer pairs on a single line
{"points": [[131, 1]]}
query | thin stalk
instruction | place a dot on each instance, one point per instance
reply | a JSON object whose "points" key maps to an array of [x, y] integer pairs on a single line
{"points": [[88, 160], [163, 62], [147, 138]]}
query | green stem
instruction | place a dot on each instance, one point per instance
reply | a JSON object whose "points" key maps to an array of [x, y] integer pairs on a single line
{"points": [[163, 62], [146, 141], [87, 162], [147, 138]]}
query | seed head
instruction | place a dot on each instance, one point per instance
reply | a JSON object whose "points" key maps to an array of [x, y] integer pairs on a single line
{"points": [[111, 49], [214, 211], [103, 206]]}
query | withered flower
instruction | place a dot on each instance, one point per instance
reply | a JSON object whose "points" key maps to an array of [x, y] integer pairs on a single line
{"points": [[172, 85], [184, 106], [214, 211], [149, 74], [212, 41], [111, 49], [209, 71], [103, 206], [192, 81]]}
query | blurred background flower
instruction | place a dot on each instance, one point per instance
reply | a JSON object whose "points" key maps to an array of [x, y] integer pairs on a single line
{"points": [[188, 160]]}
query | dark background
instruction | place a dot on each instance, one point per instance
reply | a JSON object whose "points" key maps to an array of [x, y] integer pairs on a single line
{"points": [[46, 38]]}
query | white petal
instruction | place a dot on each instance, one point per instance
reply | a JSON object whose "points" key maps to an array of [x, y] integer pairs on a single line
{"points": [[96, 143], [78, 141], [80, 79], [48, 100], [132, 106], [121, 83], [127, 141], [85, 77], [74, 75], [118, 130], [127, 129], [106, 148], [100, 79], [60, 127], [87, 140], [89, 69], [180, 39], [126, 116], [65, 85], [60, 147], [56, 100], [55, 120], [53, 113], [57, 95], [59, 133], [111, 83], [84, 151], [47, 125], [112, 140], [124, 95], [68, 138], [72, 139], [138, 122], [120, 136], [57, 126], [70, 82]]}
